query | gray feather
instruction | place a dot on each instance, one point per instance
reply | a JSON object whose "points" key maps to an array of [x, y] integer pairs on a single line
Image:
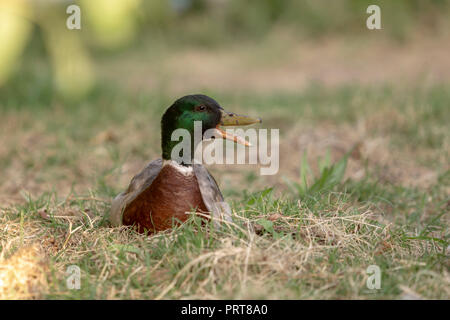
{"points": [[212, 197], [139, 183]]}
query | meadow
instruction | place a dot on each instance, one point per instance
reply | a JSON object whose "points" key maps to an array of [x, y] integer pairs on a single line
{"points": [[364, 173]]}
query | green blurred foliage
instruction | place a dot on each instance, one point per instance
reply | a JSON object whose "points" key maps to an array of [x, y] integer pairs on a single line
{"points": [[115, 25], [216, 21]]}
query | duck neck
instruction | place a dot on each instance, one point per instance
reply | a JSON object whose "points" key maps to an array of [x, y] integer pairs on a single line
{"points": [[182, 168], [178, 151]]}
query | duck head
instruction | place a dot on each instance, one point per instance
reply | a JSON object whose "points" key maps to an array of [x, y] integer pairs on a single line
{"points": [[183, 113]]}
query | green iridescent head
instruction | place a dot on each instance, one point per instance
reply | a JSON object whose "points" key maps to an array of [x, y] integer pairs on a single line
{"points": [[183, 113]]}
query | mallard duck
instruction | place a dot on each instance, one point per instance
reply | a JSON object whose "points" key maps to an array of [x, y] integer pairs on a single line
{"points": [[166, 190]]}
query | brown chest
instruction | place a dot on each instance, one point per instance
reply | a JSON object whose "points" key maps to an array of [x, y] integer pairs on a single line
{"points": [[165, 201]]}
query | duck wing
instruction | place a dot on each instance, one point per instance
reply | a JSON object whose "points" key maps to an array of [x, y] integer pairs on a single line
{"points": [[139, 183], [212, 197]]}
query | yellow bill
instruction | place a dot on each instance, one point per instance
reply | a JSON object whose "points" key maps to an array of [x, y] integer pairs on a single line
{"points": [[233, 119]]}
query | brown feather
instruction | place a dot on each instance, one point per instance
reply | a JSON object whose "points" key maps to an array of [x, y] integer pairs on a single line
{"points": [[165, 201]]}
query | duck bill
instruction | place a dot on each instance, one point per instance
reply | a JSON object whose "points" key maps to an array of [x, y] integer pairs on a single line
{"points": [[233, 119]]}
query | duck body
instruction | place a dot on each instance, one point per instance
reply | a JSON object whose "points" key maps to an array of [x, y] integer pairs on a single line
{"points": [[173, 194], [164, 193], [168, 189]]}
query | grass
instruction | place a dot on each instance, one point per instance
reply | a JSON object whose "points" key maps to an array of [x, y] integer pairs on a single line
{"points": [[316, 247], [211, 25], [314, 241], [364, 180]]}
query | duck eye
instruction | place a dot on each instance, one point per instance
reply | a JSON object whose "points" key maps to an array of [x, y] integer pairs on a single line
{"points": [[201, 108]]}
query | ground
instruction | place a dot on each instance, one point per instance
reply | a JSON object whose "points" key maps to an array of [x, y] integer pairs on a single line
{"points": [[376, 110]]}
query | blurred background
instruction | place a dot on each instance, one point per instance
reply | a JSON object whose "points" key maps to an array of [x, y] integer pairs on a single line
{"points": [[311, 68], [199, 44]]}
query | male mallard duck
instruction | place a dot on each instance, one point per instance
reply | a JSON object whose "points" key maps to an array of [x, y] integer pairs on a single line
{"points": [[166, 189]]}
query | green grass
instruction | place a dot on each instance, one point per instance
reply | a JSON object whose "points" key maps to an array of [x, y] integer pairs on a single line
{"points": [[364, 166], [316, 248], [210, 25], [314, 240]]}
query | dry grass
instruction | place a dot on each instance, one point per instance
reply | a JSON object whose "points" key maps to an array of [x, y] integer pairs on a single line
{"points": [[280, 67], [24, 274], [60, 165], [307, 256]]}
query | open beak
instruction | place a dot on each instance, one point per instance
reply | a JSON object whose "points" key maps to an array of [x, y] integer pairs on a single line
{"points": [[233, 119]]}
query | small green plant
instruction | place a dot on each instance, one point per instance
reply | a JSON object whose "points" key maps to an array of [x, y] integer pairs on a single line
{"points": [[330, 175]]}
